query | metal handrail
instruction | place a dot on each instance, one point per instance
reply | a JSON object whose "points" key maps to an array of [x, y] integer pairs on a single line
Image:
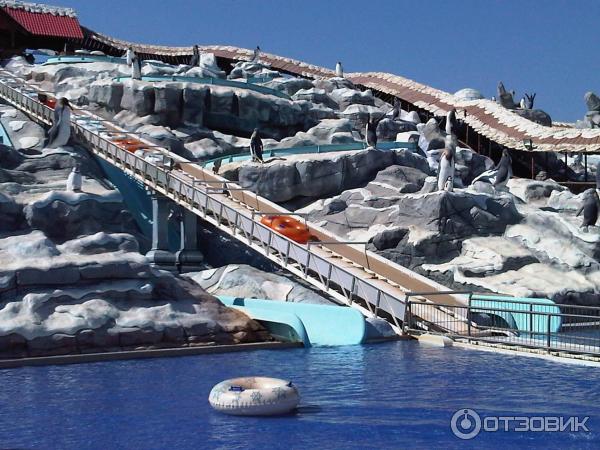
{"points": [[540, 334], [173, 185]]}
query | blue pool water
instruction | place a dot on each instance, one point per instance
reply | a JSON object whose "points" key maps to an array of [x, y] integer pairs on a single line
{"points": [[393, 395]]}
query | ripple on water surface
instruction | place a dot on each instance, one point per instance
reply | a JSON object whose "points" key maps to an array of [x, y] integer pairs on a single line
{"points": [[393, 395]]}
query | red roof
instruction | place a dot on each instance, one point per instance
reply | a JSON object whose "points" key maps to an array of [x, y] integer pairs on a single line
{"points": [[46, 24]]}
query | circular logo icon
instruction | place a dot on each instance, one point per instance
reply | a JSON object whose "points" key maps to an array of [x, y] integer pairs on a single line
{"points": [[465, 424]]}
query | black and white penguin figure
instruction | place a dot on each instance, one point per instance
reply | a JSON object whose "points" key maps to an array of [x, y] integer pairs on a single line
{"points": [[60, 132], [591, 201], [449, 184], [339, 70], [216, 166], [522, 104], [371, 133], [195, 61], [451, 122], [396, 110], [136, 68], [134, 62], [74, 180], [256, 146], [446, 167], [256, 55], [129, 53]]}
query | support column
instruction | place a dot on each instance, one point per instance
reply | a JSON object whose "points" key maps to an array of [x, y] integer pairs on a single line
{"points": [[189, 259], [159, 255]]}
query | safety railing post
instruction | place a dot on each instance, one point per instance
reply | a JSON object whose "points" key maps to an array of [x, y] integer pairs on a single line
{"points": [[469, 316], [548, 343], [531, 318]]}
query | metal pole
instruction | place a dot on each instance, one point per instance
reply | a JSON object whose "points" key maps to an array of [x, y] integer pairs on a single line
{"points": [[548, 318], [469, 317], [531, 317]]}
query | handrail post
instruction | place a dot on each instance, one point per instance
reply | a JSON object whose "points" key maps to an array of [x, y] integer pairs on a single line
{"points": [[531, 318], [469, 316], [548, 318]]}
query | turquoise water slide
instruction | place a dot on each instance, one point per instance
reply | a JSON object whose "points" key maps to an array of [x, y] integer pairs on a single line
{"points": [[4, 138], [526, 321], [313, 325], [308, 149]]}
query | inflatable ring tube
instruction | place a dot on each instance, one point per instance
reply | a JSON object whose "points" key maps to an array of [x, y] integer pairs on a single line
{"points": [[289, 227], [254, 396], [133, 147], [268, 220], [292, 229]]}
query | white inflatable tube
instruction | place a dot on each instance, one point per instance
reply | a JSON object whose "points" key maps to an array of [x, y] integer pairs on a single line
{"points": [[254, 396]]}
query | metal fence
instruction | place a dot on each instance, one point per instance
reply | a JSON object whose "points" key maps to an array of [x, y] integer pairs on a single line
{"points": [[503, 320]]}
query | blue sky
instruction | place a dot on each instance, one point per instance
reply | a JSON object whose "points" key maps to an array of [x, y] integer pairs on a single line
{"points": [[547, 46]]}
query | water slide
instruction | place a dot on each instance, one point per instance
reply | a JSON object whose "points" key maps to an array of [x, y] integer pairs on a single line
{"points": [[313, 325], [535, 317]]}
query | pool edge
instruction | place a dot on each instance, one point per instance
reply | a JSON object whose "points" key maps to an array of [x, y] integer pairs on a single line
{"points": [[143, 354]]}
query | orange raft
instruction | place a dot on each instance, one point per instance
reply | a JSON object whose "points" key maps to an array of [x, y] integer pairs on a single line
{"points": [[290, 228], [130, 145]]}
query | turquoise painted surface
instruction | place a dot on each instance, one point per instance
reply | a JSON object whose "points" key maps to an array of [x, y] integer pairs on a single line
{"points": [[77, 59], [84, 59], [323, 325], [4, 137], [138, 201], [215, 81], [329, 148], [536, 323]]}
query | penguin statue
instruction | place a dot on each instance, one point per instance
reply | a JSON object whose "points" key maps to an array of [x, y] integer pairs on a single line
{"points": [[256, 55], [136, 68], [371, 133], [129, 54], [256, 146], [217, 166], [339, 70], [451, 122], [396, 110], [60, 132], [195, 61], [74, 181], [522, 104], [449, 184], [446, 167], [589, 209]]}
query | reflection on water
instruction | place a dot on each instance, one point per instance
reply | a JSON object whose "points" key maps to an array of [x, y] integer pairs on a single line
{"points": [[377, 396]]}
